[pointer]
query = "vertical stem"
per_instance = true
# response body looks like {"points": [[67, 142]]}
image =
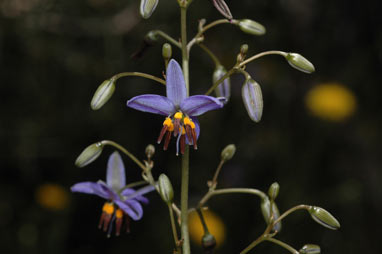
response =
{"points": [[173, 226], [185, 158]]}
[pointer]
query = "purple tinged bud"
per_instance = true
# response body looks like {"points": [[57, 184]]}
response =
{"points": [[251, 27], [253, 99], [102, 94], [90, 154], [147, 8], [223, 8], [265, 209], [224, 88]]}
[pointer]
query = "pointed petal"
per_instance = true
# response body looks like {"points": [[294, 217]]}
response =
{"points": [[131, 207], [152, 103], [137, 194], [115, 173], [199, 104], [175, 85], [91, 188], [128, 192]]}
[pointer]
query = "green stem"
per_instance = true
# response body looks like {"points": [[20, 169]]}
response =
{"points": [[282, 244], [229, 73], [184, 201], [215, 178], [211, 55], [253, 244], [291, 210], [125, 151], [138, 74], [212, 193], [204, 224], [271, 52], [173, 226], [185, 60], [167, 37], [132, 185]]}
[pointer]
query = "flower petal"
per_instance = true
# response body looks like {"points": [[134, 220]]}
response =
{"points": [[91, 188], [152, 103], [175, 85], [199, 104], [137, 194], [128, 192], [115, 173], [131, 207]]}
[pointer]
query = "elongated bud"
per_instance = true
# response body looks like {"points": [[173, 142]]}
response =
{"points": [[165, 189], [166, 51], [224, 88], [265, 209], [222, 7], [299, 62], [323, 217], [208, 242], [147, 8], [103, 94], [253, 99], [310, 249], [150, 151], [88, 155], [243, 53], [273, 190], [251, 27], [228, 152]]}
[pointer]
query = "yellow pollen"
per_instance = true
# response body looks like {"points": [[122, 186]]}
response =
{"points": [[119, 213], [183, 131], [108, 208], [188, 121], [171, 127], [167, 122], [178, 115]]}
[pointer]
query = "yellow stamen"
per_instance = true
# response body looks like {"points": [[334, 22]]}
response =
{"points": [[188, 121], [168, 122], [170, 127], [119, 213], [108, 208], [183, 131], [178, 115]]}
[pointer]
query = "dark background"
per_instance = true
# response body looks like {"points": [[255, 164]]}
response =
{"points": [[54, 54]]}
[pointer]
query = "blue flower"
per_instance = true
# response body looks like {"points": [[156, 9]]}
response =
{"points": [[180, 110], [122, 202]]}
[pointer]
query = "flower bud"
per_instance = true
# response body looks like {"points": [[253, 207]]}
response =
{"points": [[323, 217], [224, 88], [228, 152], [244, 49], [253, 99], [88, 155], [310, 249], [208, 242], [165, 189], [273, 190], [150, 151], [299, 62], [166, 51], [265, 209], [147, 8], [222, 7], [150, 38], [251, 27], [102, 94]]}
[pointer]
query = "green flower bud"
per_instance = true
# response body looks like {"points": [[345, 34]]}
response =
{"points": [[166, 51], [151, 38], [208, 242], [150, 151], [147, 8], [299, 62], [228, 152], [265, 206], [102, 94], [310, 249], [323, 217], [244, 49], [251, 27], [90, 154], [252, 99], [273, 190], [165, 189]]}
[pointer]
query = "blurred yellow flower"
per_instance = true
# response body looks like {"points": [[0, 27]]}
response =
{"points": [[214, 223], [331, 101], [52, 196]]}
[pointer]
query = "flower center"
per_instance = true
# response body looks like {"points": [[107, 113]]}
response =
{"points": [[181, 126]]}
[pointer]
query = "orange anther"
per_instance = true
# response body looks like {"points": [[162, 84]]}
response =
{"points": [[178, 115], [108, 208], [119, 213]]}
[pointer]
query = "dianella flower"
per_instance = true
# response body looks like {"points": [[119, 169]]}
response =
{"points": [[122, 203], [180, 111]]}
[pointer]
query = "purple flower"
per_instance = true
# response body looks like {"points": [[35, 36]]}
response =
{"points": [[122, 202], [180, 110]]}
